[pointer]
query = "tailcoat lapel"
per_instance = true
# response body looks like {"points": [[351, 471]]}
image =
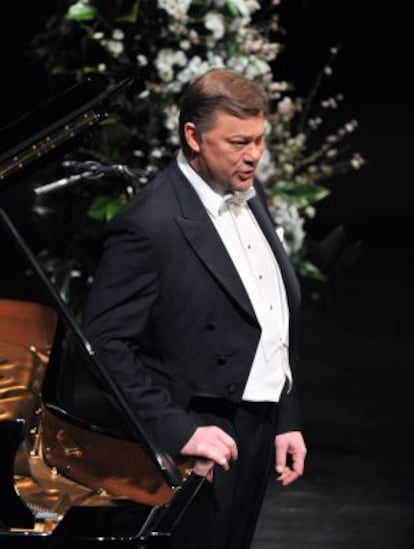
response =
{"points": [[202, 236]]}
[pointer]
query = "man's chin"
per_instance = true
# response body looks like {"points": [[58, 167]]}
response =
{"points": [[242, 184], [236, 184]]}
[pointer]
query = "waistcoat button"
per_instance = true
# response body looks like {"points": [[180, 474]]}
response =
{"points": [[231, 389]]}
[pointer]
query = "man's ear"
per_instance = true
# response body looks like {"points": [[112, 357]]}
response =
{"points": [[191, 136]]}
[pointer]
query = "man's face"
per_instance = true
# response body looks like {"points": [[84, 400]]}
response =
{"points": [[227, 153]]}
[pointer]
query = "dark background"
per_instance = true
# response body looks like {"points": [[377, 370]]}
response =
{"points": [[372, 71], [357, 376]]}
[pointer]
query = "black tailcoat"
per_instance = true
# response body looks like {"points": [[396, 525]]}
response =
{"points": [[169, 316]]}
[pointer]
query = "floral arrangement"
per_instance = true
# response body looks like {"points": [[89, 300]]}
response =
{"points": [[164, 44]]}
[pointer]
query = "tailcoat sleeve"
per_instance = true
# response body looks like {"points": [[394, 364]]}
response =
{"points": [[288, 416], [118, 324]]}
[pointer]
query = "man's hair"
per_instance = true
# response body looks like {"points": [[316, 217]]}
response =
{"points": [[218, 89]]}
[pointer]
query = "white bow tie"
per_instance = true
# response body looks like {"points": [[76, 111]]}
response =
{"points": [[237, 198]]}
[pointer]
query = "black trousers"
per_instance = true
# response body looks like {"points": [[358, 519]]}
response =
{"points": [[224, 515]]}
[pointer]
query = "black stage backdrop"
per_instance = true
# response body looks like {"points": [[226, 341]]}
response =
{"points": [[372, 71], [359, 379]]}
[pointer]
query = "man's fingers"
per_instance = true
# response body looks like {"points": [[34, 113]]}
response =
{"points": [[218, 446], [290, 445], [290, 474], [204, 468], [218, 453], [298, 462], [211, 443], [287, 476], [281, 455], [229, 443]]}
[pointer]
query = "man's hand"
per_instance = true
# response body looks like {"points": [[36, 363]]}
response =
{"points": [[212, 445], [290, 445]]}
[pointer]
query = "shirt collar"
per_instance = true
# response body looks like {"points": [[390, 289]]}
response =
{"points": [[211, 199]]}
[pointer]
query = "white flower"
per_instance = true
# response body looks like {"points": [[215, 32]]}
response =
{"points": [[329, 103], [286, 109], [215, 60], [351, 126], [171, 118], [214, 22], [193, 36], [238, 24], [252, 5], [299, 140], [157, 152], [288, 169], [175, 8], [257, 67], [115, 47], [166, 60], [249, 65], [118, 34], [245, 7], [357, 161], [185, 44], [238, 63], [195, 67], [310, 212], [331, 153], [266, 167], [270, 51], [142, 60], [288, 217]]}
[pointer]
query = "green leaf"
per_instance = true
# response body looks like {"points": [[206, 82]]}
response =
{"points": [[131, 16], [104, 208], [300, 195], [347, 258], [81, 12], [308, 269], [233, 9], [330, 247], [59, 70], [334, 255], [88, 69]]}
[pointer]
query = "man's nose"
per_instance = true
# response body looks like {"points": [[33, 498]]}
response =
{"points": [[253, 153]]}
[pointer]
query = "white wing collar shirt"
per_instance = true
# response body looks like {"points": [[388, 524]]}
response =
{"points": [[262, 279]]}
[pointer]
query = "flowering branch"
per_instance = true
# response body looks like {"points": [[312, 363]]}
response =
{"points": [[166, 44]]}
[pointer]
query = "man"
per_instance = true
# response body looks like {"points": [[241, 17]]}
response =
{"points": [[194, 306]]}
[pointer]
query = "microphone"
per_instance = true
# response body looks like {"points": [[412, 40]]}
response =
{"points": [[89, 169], [96, 168]]}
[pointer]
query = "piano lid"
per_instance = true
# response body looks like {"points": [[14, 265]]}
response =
{"points": [[164, 462], [54, 123]]}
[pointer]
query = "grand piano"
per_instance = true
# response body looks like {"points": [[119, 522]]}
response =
{"points": [[65, 482]]}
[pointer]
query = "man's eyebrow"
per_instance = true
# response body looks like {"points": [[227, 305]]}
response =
{"points": [[245, 136]]}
